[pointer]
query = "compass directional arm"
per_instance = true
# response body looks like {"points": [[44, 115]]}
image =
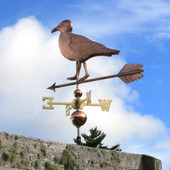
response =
{"points": [[78, 103], [50, 103], [103, 103]]}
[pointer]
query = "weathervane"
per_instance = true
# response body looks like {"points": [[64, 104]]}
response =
{"points": [[78, 103], [79, 48]]}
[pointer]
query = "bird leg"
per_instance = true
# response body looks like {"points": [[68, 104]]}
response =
{"points": [[78, 67], [86, 72]]}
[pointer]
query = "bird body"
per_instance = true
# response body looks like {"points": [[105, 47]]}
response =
{"points": [[79, 48], [64, 41]]}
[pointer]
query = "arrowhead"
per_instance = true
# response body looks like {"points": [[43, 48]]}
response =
{"points": [[52, 87]]}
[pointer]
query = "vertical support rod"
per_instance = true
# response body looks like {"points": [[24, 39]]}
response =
{"points": [[77, 85], [78, 136], [77, 65], [78, 131]]}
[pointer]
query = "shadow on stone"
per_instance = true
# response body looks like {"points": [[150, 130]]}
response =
{"points": [[150, 163]]}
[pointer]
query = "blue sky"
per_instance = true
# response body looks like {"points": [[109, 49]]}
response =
{"points": [[30, 61]]}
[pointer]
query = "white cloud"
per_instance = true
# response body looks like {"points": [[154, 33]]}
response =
{"points": [[117, 17], [163, 144], [31, 61]]}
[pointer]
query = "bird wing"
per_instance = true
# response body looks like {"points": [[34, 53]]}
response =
{"points": [[85, 47]]}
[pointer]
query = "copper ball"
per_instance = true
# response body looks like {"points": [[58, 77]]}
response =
{"points": [[78, 118], [78, 93]]}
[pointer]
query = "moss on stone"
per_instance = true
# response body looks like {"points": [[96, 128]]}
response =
{"points": [[57, 159], [13, 156], [39, 155], [25, 163], [103, 153], [94, 166], [50, 166], [89, 149], [37, 164], [21, 165], [6, 156], [115, 167], [15, 145], [14, 152], [7, 136], [9, 156], [1, 143], [32, 164], [104, 164], [68, 161], [17, 165], [43, 150], [115, 157], [35, 145], [22, 154]]}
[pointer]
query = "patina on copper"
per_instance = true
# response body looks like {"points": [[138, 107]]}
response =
{"points": [[78, 118], [79, 48]]}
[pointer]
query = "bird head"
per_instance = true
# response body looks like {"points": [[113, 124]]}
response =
{"points": [[65, 26]]}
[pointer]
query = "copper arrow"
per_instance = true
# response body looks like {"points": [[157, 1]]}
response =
{"points": [[128, 74]]}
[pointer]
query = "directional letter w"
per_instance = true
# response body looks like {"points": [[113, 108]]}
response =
{"points": [[105, 104]]}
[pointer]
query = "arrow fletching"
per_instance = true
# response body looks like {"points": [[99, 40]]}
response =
{"points": [[134, 72]]}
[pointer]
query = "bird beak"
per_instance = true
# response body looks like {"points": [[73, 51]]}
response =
{"points": [[55, 29]]}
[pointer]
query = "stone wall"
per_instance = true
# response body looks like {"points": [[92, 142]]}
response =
{"points": [[19, 152]]}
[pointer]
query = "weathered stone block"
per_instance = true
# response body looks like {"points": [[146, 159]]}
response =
{"points": [[19, 152]]}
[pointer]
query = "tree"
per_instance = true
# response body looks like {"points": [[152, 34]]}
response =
{"points": [[95, 140]]}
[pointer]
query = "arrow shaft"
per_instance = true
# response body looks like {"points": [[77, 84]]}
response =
{"points": [[100, 78]]}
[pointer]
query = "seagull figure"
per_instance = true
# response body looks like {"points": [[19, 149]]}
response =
{"points": [[79, 48]]}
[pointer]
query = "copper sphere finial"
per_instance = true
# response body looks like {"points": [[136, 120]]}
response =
{"points": [[78, 93], [78, 118]]}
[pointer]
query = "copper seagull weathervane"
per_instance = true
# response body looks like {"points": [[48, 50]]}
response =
{"points": [[79, 48]]}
